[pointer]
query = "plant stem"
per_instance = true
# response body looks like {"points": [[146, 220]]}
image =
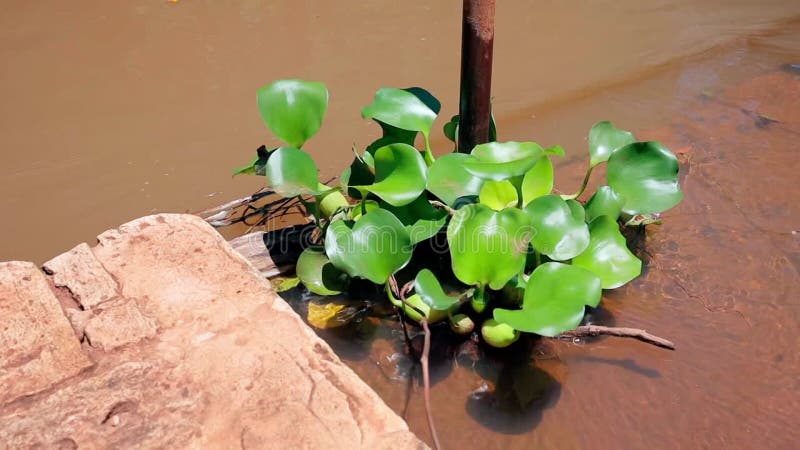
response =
{"points": [[428, 156], [438, 204], [583, 185]]}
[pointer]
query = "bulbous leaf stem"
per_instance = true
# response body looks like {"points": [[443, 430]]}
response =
{"points": [[428, 154]]}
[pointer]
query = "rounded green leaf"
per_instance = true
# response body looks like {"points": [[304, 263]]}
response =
{"points": [[374, 248], [498, 194], [608, 256], [400, 174], [293, 109], [400, 108], [430, 291], [448, 180], [538, 180], [605, 202], [488, 247], [292, 172], [503, 160], [554, 300], [604, 139], [646, 175], [318, 274], [577, 209], [420, 218], [558, 227]]}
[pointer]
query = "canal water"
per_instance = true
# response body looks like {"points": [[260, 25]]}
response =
{"points": [[113, 110]]}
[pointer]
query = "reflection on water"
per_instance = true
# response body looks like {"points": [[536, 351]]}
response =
{"points": [[112, 110]]}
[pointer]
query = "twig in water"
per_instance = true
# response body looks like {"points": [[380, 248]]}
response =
{"points": [[426, 349], [635, 333]]}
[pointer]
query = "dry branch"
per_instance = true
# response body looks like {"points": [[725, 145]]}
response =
{"points": [[635, 333]]}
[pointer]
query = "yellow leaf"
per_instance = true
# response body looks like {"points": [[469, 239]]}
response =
{"points": [[320, 315]]}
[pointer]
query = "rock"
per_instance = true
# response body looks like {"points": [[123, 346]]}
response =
{"points": [[38, 348], [117, 325], [80, 272], [196, 351]]}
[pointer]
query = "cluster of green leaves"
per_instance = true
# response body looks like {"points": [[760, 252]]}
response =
{"points": [[512, 242]]}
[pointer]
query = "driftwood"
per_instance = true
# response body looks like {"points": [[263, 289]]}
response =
{"points": [[274, 252]]}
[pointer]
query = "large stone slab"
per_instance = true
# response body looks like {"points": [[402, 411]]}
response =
{"points": [[197, 351], [37, 345], [83, 275]]}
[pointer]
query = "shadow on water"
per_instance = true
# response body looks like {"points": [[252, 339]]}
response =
{"points": [[521, 393], [626, 363]]}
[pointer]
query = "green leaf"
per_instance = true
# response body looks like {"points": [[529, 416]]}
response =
{"points": [[420, 218], [318, 274], [448, 180], [374, 248], [391, 135], [360, 172], [399, 174], [258, 165], [538, 181], [500, 161], [608, 256], [604, 139], [498, 194], [426, 97], [451, 129], [605, 202], [556, 150], [430, 291], [646, 175], [558, 227], [577, 209], [292, 172], [293, 109], [400, 108], [488, 247], [554, 300]]}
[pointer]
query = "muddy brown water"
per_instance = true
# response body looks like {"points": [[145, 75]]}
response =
{"points": [[113, 110]]}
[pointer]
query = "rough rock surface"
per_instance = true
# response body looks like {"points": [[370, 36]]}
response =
{"points": [[184, 345]]}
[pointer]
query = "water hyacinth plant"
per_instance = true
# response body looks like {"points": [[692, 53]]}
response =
{"points": [[521, 258]]}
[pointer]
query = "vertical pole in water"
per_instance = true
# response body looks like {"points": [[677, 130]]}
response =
{"points": [[477, 39]]}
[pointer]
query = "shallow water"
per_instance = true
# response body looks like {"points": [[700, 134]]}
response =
{"points": [[114, 110]]}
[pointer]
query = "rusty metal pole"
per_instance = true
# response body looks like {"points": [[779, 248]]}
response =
{"points": [[477, 39]]}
